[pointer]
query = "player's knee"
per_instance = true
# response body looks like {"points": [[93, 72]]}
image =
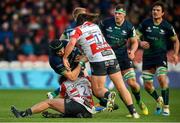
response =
{"points": [[148, 86], [162, 79], [48, 102], [130, 76], [147, 77], [161, 71], [133, 84], [97, 92], [163, 82]]}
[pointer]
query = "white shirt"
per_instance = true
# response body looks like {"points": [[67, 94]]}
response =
{"points": [[79, 91], [93, 43]]}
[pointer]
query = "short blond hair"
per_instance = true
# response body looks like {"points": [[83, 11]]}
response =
{"points": [[77, 11]]}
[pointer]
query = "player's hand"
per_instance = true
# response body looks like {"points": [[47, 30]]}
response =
{"points": [[131, 54], [175, 59], [81, 58], [144, 44], [66, 63]]}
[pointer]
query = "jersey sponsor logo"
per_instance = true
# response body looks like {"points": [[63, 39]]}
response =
{"points": [[152, 38], [109, 29], [124, 32], [106, 53], [162, 31], [99, 48], [109, 63], [148, 29], [155, 27], [117, 27]]}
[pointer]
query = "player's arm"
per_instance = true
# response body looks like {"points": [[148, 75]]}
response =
{"points": [[70, 46], [134, 46], [133, 43], [176, 48], [73, 75], [143, 44], [133, 40]]}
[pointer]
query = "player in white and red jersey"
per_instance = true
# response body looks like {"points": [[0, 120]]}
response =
{"points": [[102, 61], [76, 102], [75, 90], [80, 92], [94, 45]]}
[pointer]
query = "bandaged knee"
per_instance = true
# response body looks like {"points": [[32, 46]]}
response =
{"points": [[129, 75], [161, 71], [147, 77]]}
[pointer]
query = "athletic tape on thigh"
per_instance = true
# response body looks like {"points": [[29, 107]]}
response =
{"points": [[147, 77], [161, 71], [129, 75]]}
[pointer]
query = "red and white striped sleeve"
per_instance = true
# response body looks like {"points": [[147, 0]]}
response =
{"points": [[76, 33]]}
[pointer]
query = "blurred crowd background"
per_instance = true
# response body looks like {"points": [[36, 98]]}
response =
{"points": [[26, 26]]}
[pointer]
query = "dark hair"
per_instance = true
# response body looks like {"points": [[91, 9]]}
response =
{"points": [[159, 3], [91, 17], [120, 6], [56, 45]]}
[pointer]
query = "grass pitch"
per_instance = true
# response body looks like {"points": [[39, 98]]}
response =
{"points": [[23, 99]]}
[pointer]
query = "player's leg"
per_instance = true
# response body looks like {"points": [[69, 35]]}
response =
{"points": [[115, 75], [100, 91], [72, 109], [149, 87], [98, 85], [99, 73], [56, 104], [130, 77], [124, 93], [162, 78]]}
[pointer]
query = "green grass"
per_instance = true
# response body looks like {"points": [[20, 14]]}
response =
{"points": [[23, 99]]}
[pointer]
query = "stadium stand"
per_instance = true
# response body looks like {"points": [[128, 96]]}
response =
{"points": [[25, 33]]}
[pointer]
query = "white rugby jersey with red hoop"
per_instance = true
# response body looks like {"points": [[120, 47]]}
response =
{"points": [[92, 42], [80, 91]]}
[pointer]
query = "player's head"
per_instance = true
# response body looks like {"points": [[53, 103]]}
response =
{"points": [[57, 47], [77, 11], [91, 17], [158, 10], [119, 13]]}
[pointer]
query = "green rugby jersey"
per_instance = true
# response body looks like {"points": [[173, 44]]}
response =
{"points": [[117, 36], [157, 36]]}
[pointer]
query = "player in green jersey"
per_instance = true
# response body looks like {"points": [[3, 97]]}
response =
{"points": [[155, 33], [117, 31]]}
